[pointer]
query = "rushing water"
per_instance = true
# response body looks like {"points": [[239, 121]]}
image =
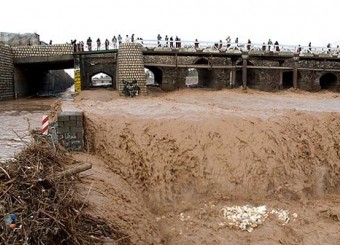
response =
{"points": [[16, 118]]}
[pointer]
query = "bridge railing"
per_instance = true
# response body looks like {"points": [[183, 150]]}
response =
{"points": [[224, 46], [241, 46]]}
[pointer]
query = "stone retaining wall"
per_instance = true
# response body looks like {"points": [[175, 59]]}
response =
{"points": [[6, 73]]}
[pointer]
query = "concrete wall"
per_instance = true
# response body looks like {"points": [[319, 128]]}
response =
{"points": [[6, 73]]}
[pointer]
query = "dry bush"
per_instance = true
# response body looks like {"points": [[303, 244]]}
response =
{"points": [[45, 206]]}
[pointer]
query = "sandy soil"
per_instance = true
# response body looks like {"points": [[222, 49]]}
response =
{"points": [[164, 165]]}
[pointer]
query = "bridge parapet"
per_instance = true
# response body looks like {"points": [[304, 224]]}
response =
{"points": [[42, 50]]}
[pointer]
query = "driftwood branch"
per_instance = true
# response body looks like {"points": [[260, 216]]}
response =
{"points": [[75, 170]]}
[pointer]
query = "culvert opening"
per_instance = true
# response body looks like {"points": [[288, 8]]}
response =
{"points": [[287, 79], [328, 81]]}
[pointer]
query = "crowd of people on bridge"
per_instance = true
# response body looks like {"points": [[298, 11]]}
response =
{"points": [[171, 42]]}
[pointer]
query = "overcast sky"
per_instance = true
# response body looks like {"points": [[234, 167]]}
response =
{"points": [[287, 21]]}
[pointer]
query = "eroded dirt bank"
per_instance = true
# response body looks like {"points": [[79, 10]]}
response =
{"points": [[165, 165]]}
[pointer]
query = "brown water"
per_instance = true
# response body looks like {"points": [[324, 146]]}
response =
{"points": [[16, 118], [165, 165]]}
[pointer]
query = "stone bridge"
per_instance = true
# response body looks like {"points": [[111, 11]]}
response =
{"points": [[20, 67]]}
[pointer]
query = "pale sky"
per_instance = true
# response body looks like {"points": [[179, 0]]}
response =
{"points": [[287, 21]]}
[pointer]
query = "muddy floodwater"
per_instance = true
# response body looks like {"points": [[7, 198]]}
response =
{"points": [[165, 166], [16, 117]]}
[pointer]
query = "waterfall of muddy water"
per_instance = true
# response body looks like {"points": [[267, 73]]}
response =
{"points": [[16, 117]]}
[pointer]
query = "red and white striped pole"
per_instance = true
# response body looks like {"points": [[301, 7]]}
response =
{"points": [[44, 126]]}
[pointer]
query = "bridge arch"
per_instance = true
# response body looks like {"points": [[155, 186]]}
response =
{"points": [[204, 75], [101, 79], [191, 79], [328, 81], [93, 65], [157, 74]]}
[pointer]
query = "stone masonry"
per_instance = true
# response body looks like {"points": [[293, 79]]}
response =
{"points": [[70, 130], [6, 73], [131, 66], [42, 50]]}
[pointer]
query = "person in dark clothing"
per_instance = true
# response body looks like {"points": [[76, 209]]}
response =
{"points": [[310, 47], [107, 44], [248, 45], [159, 38], [98, 44], [166, 41], [171, 42], [299, 49], [89, 43], [277, 47], [74, 43], [196, 43], [177, 41], [119, 39]]}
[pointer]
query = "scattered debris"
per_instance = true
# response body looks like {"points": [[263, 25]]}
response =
{"points": [[38, 204], [248, 217]]}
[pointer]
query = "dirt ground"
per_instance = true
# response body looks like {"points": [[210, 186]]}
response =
{"points": [[166, 164]]}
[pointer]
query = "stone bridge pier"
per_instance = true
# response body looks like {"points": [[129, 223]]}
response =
{"points": [[130, 66]]}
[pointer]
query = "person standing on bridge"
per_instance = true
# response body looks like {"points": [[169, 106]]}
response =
{"points": [[166, 41], [81, 46], [107, 44], [127, 39], [277, 47], [89, 44], [299, 49], [248, 45], [197, 44], [171, 42], [270, 43], [159, 38], [114, 42], [98, 44], [120, 39], [329, 48], [228, 39]]}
